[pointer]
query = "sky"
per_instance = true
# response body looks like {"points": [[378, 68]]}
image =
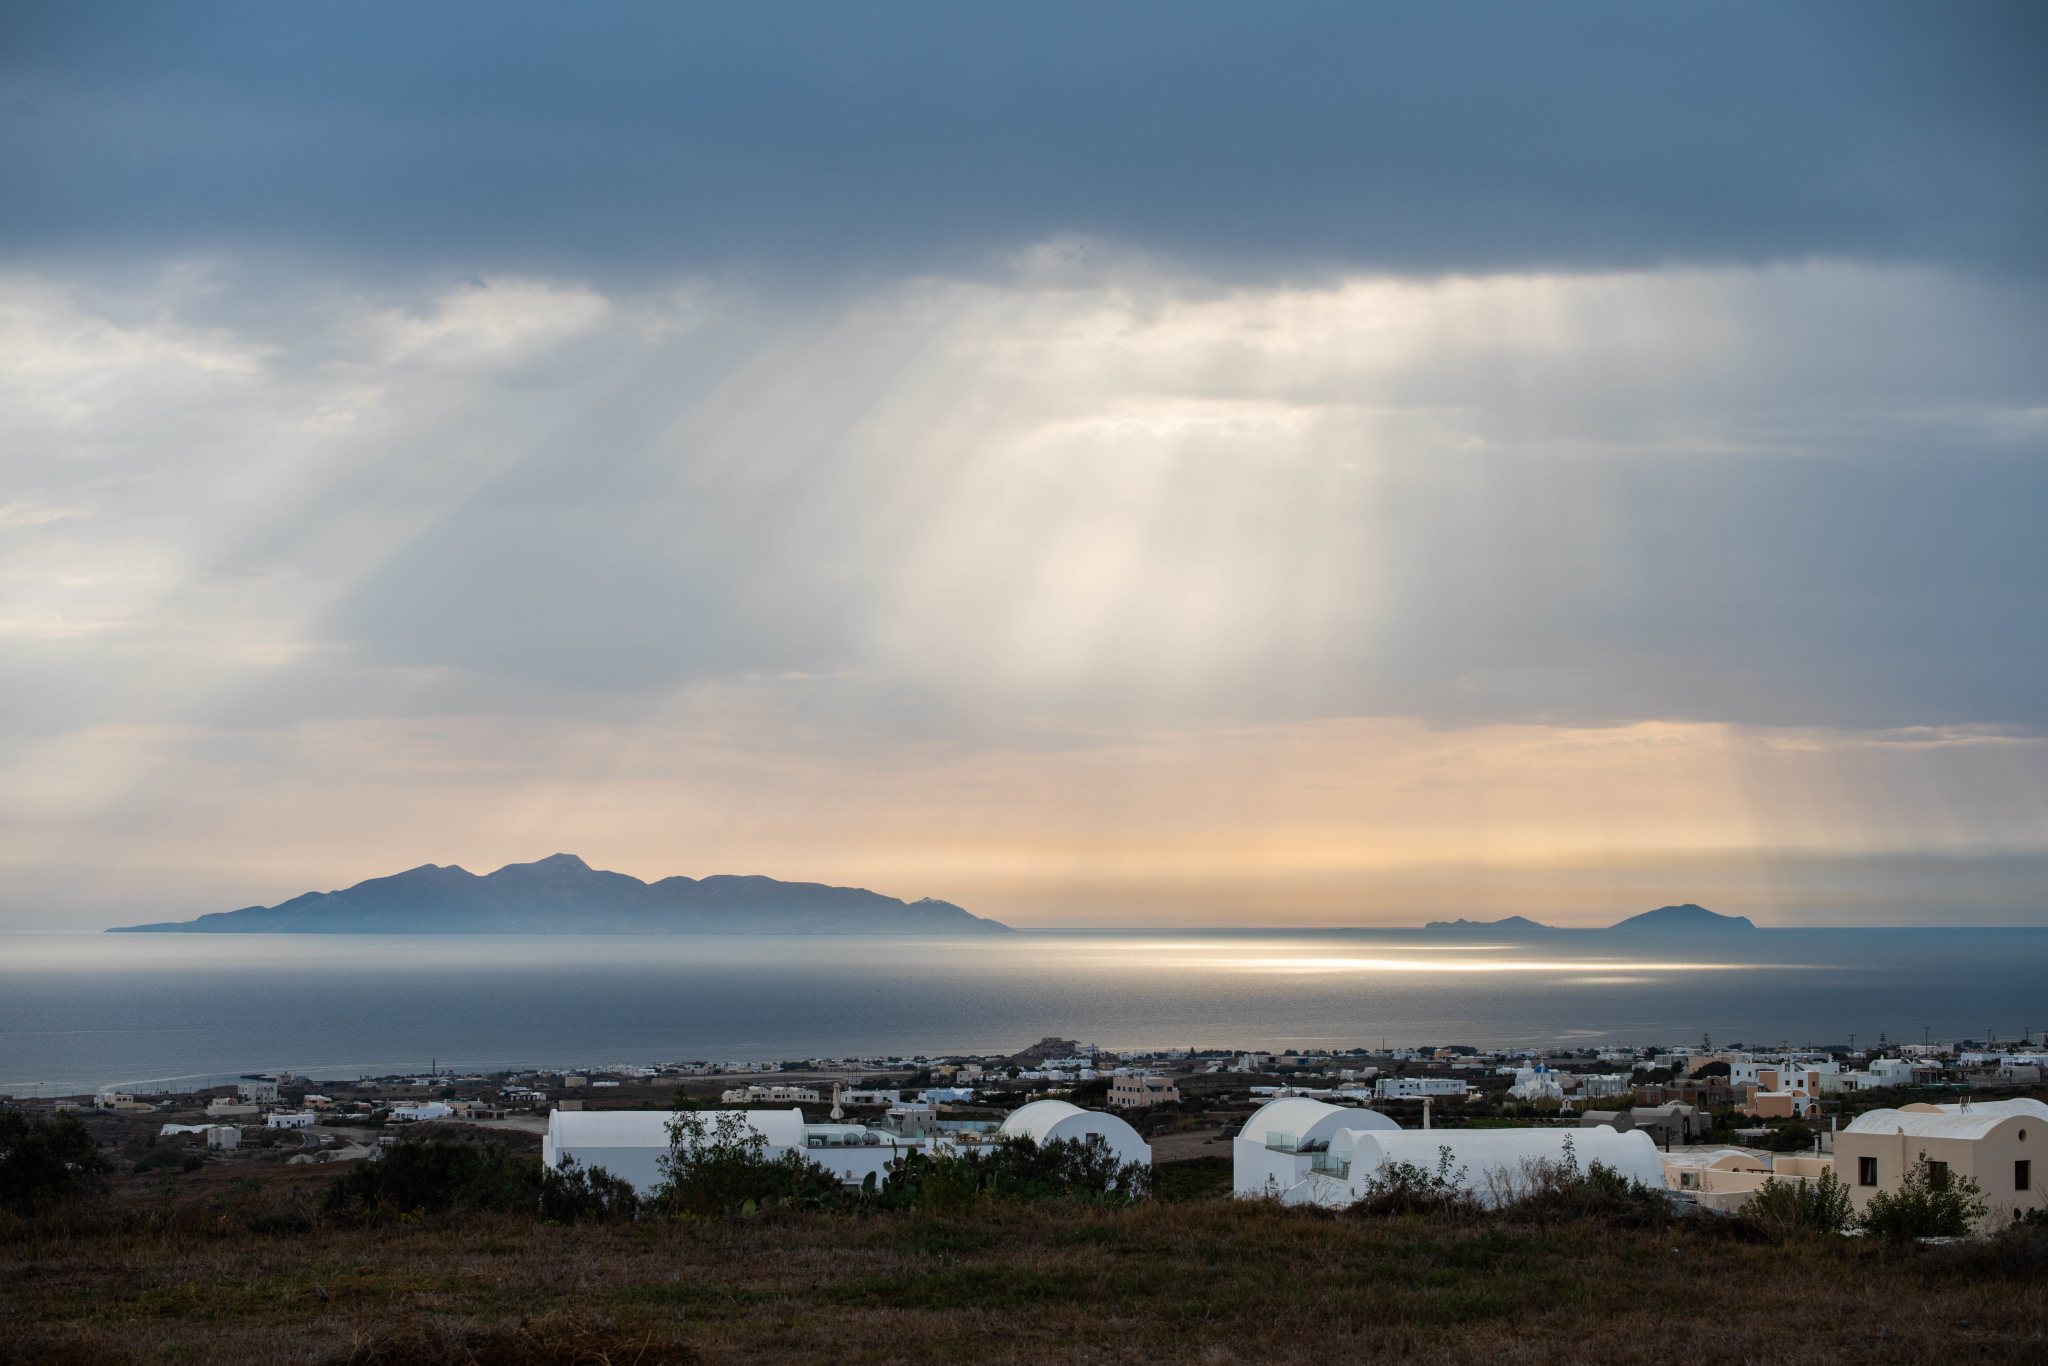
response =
{"points": [[1134, 465]]}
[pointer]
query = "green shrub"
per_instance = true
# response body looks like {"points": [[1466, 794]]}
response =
{"points": [[1558, 1191], [46, 1161], [572, 1193], [1931, 1202], [169, 1158], [1399, 1188], [1017, 1169], [415, 1177], [1784, 1207], [720, 1165], [1791, 1138], [1091, 1092]]}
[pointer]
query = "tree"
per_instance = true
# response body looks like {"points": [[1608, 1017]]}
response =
{"points": [[571, 1193], [722, 1167], [1931, 1202], [46, 1161], [1795, 1137], [1087, 1091], [1785, 1207]]}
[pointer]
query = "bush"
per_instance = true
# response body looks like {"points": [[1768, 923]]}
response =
{"points": [[2016, 1252], [572, 1193], [1092, 1092], [1557, 1192], [415, 1177], [168, 1158], [1783, 1208], [1021, 1169], [1931, 1202], [46, 1161], [718, 1165], [722, 1167], [1795, 1137], [1399, 1188]]}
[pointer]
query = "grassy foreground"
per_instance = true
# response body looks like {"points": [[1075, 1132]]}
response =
{"points": [[1204, 1281]]}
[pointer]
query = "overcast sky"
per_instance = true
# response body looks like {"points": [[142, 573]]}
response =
{"points": [[1101, 465]]}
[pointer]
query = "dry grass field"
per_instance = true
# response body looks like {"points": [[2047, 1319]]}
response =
{"points": [[246, 1276]]}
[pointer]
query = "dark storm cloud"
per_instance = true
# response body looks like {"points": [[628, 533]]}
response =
{"points": [[615, 138]]}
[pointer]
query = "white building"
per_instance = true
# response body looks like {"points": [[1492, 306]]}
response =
{"points": [[913, 1119], [283, 1119], [430, 1109], [631, 1143], [1994, 1143], [1399, 1088], [1286, 1138], [1536, 1083], [1048, 1121], [1491, 1164], [754, 1095], [872, 1096], [256, 1091]]}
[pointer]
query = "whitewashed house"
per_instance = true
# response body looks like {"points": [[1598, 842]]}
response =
{"points": [[1408, 1088], [1997, 1143], [631, 1143], [1490, 1164], [1285, 1139], [1048, 1121], [424, 1110]]}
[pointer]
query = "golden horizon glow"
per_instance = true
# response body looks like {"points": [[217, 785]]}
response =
{"points": [[1098, 602]]}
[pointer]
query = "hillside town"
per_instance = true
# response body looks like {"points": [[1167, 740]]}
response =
{"points": [[1709, 1123]]}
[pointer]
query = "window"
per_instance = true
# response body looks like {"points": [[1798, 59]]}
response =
{"points": [[1937, 1176], [2022, 1176], [1866, 1171]]}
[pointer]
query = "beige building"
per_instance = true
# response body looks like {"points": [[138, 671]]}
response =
{"points": [[1782, 1090], [778, 1095], [1726, 1179], [1997, 1143], [1136, 1092]]}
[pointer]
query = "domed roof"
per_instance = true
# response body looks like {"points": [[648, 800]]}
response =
{"points": [[1038, 1118], [1303, 1119], [1049, 1121]]}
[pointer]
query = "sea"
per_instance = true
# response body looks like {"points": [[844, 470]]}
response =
{"points": [[84, 1012]]}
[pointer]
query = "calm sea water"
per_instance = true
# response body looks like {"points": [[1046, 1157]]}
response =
{"points": [[83, 1011]]}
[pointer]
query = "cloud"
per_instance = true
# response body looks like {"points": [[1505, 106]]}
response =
{"points": [[1116, 591], [641, 140], [1806, 496]]}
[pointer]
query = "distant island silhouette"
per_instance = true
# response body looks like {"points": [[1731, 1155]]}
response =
{"points": [[564, 895], [1684, 919]]}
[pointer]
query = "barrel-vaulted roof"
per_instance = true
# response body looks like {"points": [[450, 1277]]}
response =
{"points": [[1970, 1124], [1304, 1119]]}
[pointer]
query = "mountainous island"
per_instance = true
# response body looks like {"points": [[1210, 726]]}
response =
{"points": [[564, 895], [1685, 919]]}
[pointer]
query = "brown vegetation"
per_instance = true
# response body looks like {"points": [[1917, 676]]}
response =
{"points": [[246, 1276]]}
